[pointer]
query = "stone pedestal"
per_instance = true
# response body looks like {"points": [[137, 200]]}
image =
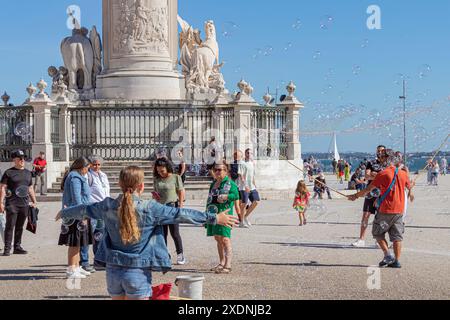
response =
{"points": [[140, 50], [294, 148]]}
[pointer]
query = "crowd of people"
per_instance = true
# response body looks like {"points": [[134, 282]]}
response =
{"points": [[129, 235]]}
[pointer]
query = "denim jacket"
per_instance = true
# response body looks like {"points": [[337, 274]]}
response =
{"points": [[150, 251], [76, 190]]}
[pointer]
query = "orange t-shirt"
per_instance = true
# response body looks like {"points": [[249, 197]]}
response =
{"points": [[395, 201]]}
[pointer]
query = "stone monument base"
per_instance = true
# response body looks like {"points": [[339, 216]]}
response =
{"points": [[137, 85]]}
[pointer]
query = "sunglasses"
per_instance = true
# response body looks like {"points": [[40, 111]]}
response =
{"points": [[219, 170], [97, 165]]}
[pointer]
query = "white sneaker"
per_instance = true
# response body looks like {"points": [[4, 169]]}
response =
{"points": [[74, 274], [181, 260], [359, 244], [243, 225], [247, 223], [83, 272]]}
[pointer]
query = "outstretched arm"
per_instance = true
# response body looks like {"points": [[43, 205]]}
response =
{"points": [[95, 211]]}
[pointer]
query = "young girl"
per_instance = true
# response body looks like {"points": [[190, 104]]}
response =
{"points": [[301, 201], [133, 245]]}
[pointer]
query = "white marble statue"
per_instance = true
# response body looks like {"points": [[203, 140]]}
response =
{"points": [[200, 59], [78, 55]]}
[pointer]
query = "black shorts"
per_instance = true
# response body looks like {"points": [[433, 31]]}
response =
{"points": [[369, 206], [253, 196]]}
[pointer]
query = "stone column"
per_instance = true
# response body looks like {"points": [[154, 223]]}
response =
{"points": [[140, 40], [294, 148], [65, 132]]}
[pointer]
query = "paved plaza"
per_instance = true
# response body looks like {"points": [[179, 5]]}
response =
{"points": [[276, 259]]}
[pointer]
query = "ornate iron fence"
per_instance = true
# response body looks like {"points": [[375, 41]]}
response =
{"points": [[16, 131], [140, 132], [55, 133], [269, 132]]}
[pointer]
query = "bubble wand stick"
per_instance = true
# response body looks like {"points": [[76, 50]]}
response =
{"points": [[334, 190], [434, 157]]}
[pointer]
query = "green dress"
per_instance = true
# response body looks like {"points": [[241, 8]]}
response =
{"points": [[226, 187]]}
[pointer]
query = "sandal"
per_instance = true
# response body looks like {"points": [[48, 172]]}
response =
{"points": [[223, 271], [218, 267]]}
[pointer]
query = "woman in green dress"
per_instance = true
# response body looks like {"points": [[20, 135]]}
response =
{"points": [[222, 195]]}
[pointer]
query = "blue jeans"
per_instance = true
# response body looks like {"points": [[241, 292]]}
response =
{"points": [[84, 251], [134, 283]]}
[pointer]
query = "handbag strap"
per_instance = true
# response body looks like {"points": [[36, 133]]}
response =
{"points": [[391, 186]]}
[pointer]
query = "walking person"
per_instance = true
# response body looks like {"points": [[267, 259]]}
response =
{"points": [[392, 183], [435, 173], [333, 165], [234, 175], [76, 233], [182, 168], [169, 191], [222, 195], [16, 185], [99, 190], [247, 188], [444, 166], [430, 172], [134, 246], [372, 169], [347, 171], [39, 170], [301, 201], [341, 169]]}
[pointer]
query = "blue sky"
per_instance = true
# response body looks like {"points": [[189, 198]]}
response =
{"points": [[346, 72]]}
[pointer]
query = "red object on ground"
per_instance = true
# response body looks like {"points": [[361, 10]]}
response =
{"points": [[162, 292]]}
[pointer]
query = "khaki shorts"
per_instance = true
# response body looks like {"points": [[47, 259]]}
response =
{"points": [[388, 223]]}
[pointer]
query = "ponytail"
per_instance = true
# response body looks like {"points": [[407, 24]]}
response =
{"points": [[130, 179]]}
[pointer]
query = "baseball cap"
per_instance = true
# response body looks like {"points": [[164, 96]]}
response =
{"points": [[18, 154]]}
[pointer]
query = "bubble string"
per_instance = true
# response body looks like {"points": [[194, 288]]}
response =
{"points": [[323, 184]]}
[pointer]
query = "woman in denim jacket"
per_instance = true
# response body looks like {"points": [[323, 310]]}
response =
{"points": [[133, 245], [76, 232]]}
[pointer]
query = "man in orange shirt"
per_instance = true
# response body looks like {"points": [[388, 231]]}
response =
{"points": [[391, 184]]}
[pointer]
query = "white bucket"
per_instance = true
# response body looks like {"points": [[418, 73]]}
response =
{"points": [[190, 287]]}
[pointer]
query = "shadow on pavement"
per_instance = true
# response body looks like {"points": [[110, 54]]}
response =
{"points": [[78, 298], [307, 264], [319, 245], [30, 274]]}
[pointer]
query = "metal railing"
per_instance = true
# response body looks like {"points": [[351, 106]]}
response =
{"points": [[140, 132], [269, 132], [16, 131]]}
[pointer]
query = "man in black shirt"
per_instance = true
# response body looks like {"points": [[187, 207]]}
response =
{"points": [[16, 185], [372, 169]]}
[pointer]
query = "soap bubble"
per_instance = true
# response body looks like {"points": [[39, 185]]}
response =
{"points": [[22, 191], [424, 71], [68, 222], [384, 225], [82, 226], [23, 130], [4, 127], [356, 70], [10, 114], [365, 43], [288, 46], [212, 209], [326, 22], [268, 50], [375, 193], [317, 55], [98, 236], [229, 28], [64, 230], [8, 194], [100, 225], [297, 24]]}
